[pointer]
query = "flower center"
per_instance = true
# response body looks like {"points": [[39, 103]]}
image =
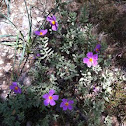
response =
{"points": [[50, 97], [53, 22], [16, 88], [40, 33], [96, 49], [66, 103], [90, 59]]}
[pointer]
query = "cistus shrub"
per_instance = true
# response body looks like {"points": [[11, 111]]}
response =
{"points": [[71, 79]]}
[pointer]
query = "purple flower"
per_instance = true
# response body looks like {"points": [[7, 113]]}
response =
{"points": [[49, 98], [65, 104], [96, 89], [38, 55], [52, 21], [97, 48], [15, 88], [41, 32], [91, 59]]}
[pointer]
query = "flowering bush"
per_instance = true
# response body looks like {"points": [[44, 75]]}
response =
{"points": [[59, 68]]}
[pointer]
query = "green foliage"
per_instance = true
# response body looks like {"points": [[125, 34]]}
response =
{"points": [[45, 51], [84, 14], [65, 69], [20, 107]]}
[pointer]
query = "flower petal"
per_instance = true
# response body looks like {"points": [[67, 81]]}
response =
{"points": [[62, 104], [46, 102], [89, 64], [15, 91], [14, 83], [37, 32], [49, 18], [44, 31], [12, 87], [95, 63], [89, 54], [19, 90], [52, 102], [56, 25], [45, 96], [95, 56], [71, 102], [98, 46], [64, 100], [55, 97], [85, 60], [51, 92], [54, 28], [70, 107], [54, 18], [64, 108]]}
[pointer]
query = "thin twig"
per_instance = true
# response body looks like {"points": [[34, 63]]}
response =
{"points": [[24, 64]]}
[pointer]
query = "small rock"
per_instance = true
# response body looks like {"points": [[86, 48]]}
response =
{"points": [[34, 22], [8, 67], [21, 78], [10, 56], [1, 74], [27, 81], [40, 19], [3, 96], [37, 12], [1, 61], [4, 54]]}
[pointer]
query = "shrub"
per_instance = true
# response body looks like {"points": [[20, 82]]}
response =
{"points": [[82, 88]]}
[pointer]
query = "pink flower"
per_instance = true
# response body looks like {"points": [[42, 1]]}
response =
{"points": [[91, 59], [15, 88], [49, 98], [65, 104], [41, 32], [52, 21]]}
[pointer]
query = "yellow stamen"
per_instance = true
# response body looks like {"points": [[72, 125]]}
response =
{"points": [[53, 22], [40, 33], [66, 103], [16, 88], [90, 59], [50, 97], [96, 49]]}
